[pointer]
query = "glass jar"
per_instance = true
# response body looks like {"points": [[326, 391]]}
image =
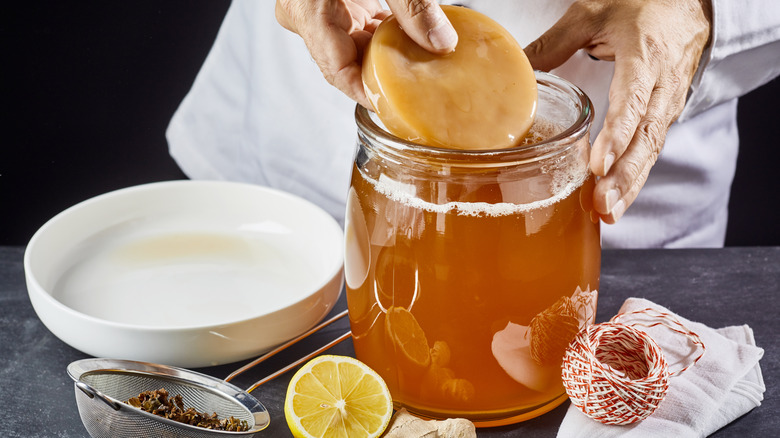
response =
{"points": [[468, 272]]}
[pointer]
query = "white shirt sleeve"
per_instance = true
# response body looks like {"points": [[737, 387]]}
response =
{"points": [[744, 53]]}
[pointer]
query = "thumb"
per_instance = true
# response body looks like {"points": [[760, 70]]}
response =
{"points": [[561, 41], [426, 24]]}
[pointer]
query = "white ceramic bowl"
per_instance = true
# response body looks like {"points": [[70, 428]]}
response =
{"points": [[185, 273]]}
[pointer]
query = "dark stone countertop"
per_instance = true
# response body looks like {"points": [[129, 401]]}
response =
{"points": [[718, 287]]}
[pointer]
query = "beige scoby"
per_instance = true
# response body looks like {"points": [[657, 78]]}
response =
{"points": [[480, 96]]}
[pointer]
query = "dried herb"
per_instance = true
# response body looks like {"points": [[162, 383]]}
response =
{"points": [[159, 403]]}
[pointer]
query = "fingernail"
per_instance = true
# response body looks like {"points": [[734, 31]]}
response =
{"points": [[618, 210], [443, 36], [608, 161], [612, 198]]}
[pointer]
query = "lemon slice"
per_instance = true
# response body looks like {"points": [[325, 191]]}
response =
{"points": [[409, 338], [337, 396], [481, 96]]}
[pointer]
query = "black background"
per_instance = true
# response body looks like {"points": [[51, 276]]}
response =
{"points": [[88, 89]]}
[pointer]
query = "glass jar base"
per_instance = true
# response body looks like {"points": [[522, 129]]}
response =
{"points": [[488, 419]]}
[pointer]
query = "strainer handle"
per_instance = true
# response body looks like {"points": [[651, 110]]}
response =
{"points": [[284, 346], [92, 393], [300, 361]]}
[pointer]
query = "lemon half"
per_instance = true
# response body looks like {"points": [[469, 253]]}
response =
{"points": [[337, 396]]}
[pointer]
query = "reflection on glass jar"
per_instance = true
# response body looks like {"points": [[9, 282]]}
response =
{"points": [[468, 272]]}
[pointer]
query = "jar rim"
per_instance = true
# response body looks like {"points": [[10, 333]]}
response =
{"points": [[379, 136]]}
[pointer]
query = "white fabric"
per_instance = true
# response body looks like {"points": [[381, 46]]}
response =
{"points": [[259, 111], [744, 53], [723, 385]]}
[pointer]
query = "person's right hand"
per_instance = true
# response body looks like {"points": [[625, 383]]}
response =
{"points": [[337, 31]]}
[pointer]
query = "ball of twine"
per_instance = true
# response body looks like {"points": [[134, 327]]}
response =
{"points": [[552, 330], [617, 374]]}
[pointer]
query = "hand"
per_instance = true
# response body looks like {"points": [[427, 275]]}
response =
{"points": [[656, 46], [337, 31]]}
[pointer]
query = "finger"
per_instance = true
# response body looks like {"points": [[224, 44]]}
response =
{"points": [[615, 192], [285, 17], [426, 24], [629, 95], [572, 32], [336, 53], [333, 38], [366, 14]]}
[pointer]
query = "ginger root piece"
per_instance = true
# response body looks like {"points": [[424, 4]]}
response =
{"points": [[481, 96], [405, 425]]}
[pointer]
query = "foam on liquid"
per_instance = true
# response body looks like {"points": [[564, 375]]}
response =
{"points": [[564, 183]]}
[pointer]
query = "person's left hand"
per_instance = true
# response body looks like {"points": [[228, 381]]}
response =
{"points": [[656, 46]]}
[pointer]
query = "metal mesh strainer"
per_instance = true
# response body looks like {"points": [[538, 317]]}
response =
{"points": [[103, 385], [114, 381]]}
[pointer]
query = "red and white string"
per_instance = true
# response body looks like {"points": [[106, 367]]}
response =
{"points": [[616, 373]]}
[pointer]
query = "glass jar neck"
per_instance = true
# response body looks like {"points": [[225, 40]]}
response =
{"points": [[562, 106]]}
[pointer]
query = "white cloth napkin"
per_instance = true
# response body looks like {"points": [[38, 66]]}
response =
{"points": [[725, 384]]}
